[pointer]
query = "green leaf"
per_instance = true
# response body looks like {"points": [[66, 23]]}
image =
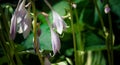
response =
{"points": [[115, 6], [45, 39], [96, 48], [98, 58], [60, 7], [77, 1], [93, 42]]}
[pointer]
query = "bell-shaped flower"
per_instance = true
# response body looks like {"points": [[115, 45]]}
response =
{"points": [[58, 23], [55, 42], [54, 39], [20, 21]]}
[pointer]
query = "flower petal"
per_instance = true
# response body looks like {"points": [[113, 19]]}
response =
{"points": [[13, 27], [21, 20], [25, 23], [27, 20], [58, 23], [55, 42]]}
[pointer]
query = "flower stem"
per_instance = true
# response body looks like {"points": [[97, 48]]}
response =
{"points": [[73, 33], [110, 44], [48, 4], [108, 37], [80, 45], [6, 49], [35, 34], [100, 16]]}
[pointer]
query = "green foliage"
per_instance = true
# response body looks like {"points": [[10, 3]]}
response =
{"points": [[45, 40], [88, 26], [115, 6]]}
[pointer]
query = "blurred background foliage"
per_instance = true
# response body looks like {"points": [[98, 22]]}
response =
{"points": [[90, 28]]}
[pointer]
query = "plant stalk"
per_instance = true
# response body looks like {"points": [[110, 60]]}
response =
{"points": [[35, 34], [73, 33]]}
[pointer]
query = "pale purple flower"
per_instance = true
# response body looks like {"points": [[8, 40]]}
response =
{"points": [[54, 39], [20, 21], [58, 23], [107, 9], [55, 42]]}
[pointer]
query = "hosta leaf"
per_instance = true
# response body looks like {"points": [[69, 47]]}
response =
{"points": [[45, 40]]}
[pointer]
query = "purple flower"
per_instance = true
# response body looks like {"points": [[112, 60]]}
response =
{"points": [[54, 39], [55, 42], [58, 23], [107, 9], [20, 21]]}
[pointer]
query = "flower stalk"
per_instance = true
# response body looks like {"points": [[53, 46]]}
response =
{"points": [[80, 45], [110, 44], [73, 33], [35, 33], [109, 36]]}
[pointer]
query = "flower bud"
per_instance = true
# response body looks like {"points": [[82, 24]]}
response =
{"points": [[107, 9]]}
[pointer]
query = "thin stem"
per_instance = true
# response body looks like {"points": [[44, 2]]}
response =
{"points": [[100, 16], [35, 34], [48, 4], [49, 24], [19, 62], [73, 32], [111, 38], [3, 44], [110, 53], [80, 45]]}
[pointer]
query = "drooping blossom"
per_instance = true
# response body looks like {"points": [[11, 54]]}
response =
{"points": [[58, 23], [107, 9], [20, 21], [55, 42], [54, 39]]}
